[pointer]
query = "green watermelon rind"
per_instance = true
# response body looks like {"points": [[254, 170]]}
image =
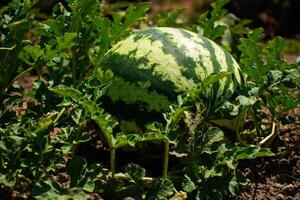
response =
{"points": [[153, 66]]}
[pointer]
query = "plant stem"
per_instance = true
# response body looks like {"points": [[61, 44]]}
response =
{"points": [[269, 137], [73, 149], [74, 71], [239, 121], [166, 159], [112, 162], [18, 155], [124, 177], [6, 86], [58, 116]]}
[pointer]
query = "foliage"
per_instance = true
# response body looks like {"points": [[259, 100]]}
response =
{"points": [[44, 129]]}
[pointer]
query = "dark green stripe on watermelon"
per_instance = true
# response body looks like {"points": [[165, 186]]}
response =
{"points": [[187, 64], [130, 73]]}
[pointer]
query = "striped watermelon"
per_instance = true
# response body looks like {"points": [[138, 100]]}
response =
{"points": [[151, 67]]}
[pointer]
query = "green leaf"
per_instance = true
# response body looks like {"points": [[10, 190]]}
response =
{"points": [[237, 180], [251, 61], [245, 102], [218, 31], [240, 27], [106, 123], [293, 75], [219, 4], [81, 9], [170, 19], [207, 82], [104, 120], [67, 91], [77, 116], [256, 34], [75, 194], [187, 184], [136, 13], [50, 28], [274, 77], [213, 78], [216, 170], [155, 131], [89, 185], [133, 14], [129, 139], [30, 54], [66, 41], [128, 198], [132, 139], [229, 124], [8, 179], [275, 47], [46, 190], [213, 135], [42, 127], [152, 136], [230, 155], [160, 190], [208, 194], [51, 191], [75, 169], [135, 172], [208, 20], [251, 152]]}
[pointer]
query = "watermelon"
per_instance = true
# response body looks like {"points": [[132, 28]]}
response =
{"points": [[150, 68]]}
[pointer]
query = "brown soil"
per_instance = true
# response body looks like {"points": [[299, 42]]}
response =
{"points": [[274, 178]]}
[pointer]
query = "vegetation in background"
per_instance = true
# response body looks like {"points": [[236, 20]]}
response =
{"points": [[200, 152]]}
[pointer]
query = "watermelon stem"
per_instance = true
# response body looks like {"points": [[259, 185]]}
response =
{"points": [[112, 162], [166, 159], [239, 126]]}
